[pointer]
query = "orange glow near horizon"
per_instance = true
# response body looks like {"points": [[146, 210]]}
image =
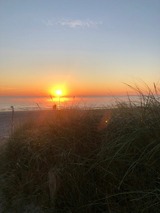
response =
{"points": [[68, 89]]}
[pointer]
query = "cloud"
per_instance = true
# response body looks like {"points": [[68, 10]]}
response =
{"points": [[79, 23], [73, 23]]}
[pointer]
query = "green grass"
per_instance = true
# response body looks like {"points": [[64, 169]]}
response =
{"points": [[77, 162]]}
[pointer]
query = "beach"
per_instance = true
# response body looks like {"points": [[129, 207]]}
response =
{"points": [[83, 153], [19, 118], [5, 125]]}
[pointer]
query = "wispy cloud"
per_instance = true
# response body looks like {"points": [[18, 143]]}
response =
{"points": [[73, 23]]}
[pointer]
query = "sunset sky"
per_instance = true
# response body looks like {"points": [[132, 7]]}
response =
{"points": [[86, 47]]}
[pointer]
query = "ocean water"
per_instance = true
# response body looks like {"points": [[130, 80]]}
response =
{"points": [[25, 103]]}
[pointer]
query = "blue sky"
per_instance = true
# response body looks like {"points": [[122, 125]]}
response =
{"points": [[90, 46]]}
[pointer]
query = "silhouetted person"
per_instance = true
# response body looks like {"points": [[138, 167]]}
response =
{"points": [[54, 107]]}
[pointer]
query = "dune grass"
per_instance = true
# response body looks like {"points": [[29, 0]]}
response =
{"points": [[86, 161]]}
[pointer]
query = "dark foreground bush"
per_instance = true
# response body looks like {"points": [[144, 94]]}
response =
{"points": [[78, 162]]}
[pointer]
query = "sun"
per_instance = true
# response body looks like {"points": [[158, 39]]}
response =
{"points": [[58, 92]]}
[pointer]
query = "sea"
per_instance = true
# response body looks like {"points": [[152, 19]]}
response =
{"points": [[30, 103]]}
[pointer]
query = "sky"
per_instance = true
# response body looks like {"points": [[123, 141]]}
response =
{"points": [[86, 47]]}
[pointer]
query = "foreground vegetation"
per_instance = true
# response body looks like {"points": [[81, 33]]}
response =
{"points": [[86, 161]]}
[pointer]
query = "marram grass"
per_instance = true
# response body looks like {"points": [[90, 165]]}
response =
{"points": [[86, 161]]}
